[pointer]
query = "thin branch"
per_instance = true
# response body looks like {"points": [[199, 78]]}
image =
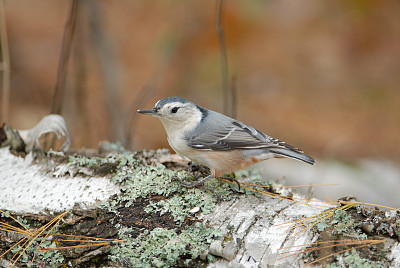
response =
{"points": [[69, 30], [130, 125], [219, 12], [233, 98], [107, 65], [5, 64]]}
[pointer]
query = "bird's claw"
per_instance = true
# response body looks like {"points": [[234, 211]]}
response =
{"points": [[200, 184], [217, 195], [232, 180]]}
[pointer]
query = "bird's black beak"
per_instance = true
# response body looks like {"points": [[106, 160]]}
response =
{"points": [[149, 112]]}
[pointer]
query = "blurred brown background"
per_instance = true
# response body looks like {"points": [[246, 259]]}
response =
{"points": [[321, 75]]}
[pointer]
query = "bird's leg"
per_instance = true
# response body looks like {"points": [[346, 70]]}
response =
{"points": [[232, 180], [203, 180], [197, 183], [217, 195], [198, 171], [200, 183]]}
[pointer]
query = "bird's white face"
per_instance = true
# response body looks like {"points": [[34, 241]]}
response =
{"points": [[177, 117], [176, 111]]}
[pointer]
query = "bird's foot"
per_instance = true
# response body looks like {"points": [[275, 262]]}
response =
{"points": [[217, 195], [198, 170], [196, 183], [232, 180], [200, 184]]}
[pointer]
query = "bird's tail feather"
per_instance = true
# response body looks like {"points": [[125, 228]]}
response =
{"points": [[293, 154]]}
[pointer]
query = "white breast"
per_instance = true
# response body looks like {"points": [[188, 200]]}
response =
{"points": [[176, 139], [179, 145]]}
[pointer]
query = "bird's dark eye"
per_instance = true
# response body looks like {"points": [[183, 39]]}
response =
{"points": [[174, 110]]}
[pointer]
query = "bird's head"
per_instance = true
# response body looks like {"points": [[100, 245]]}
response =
{"points": [[176, 113]]}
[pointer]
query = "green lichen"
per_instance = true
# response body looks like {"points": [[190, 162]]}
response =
{"points": [[353, 259], [138, 180], [164, 248], [143, 180], [254, 176], [89, 162], [342, 222], [52, 258], [180, 206], [29, 248], [159, 247]]}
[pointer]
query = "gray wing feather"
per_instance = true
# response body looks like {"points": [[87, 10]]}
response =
{"points": [[221, 133]]}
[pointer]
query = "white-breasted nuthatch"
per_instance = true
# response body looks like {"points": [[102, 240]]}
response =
{"points": [[217, 141]]}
